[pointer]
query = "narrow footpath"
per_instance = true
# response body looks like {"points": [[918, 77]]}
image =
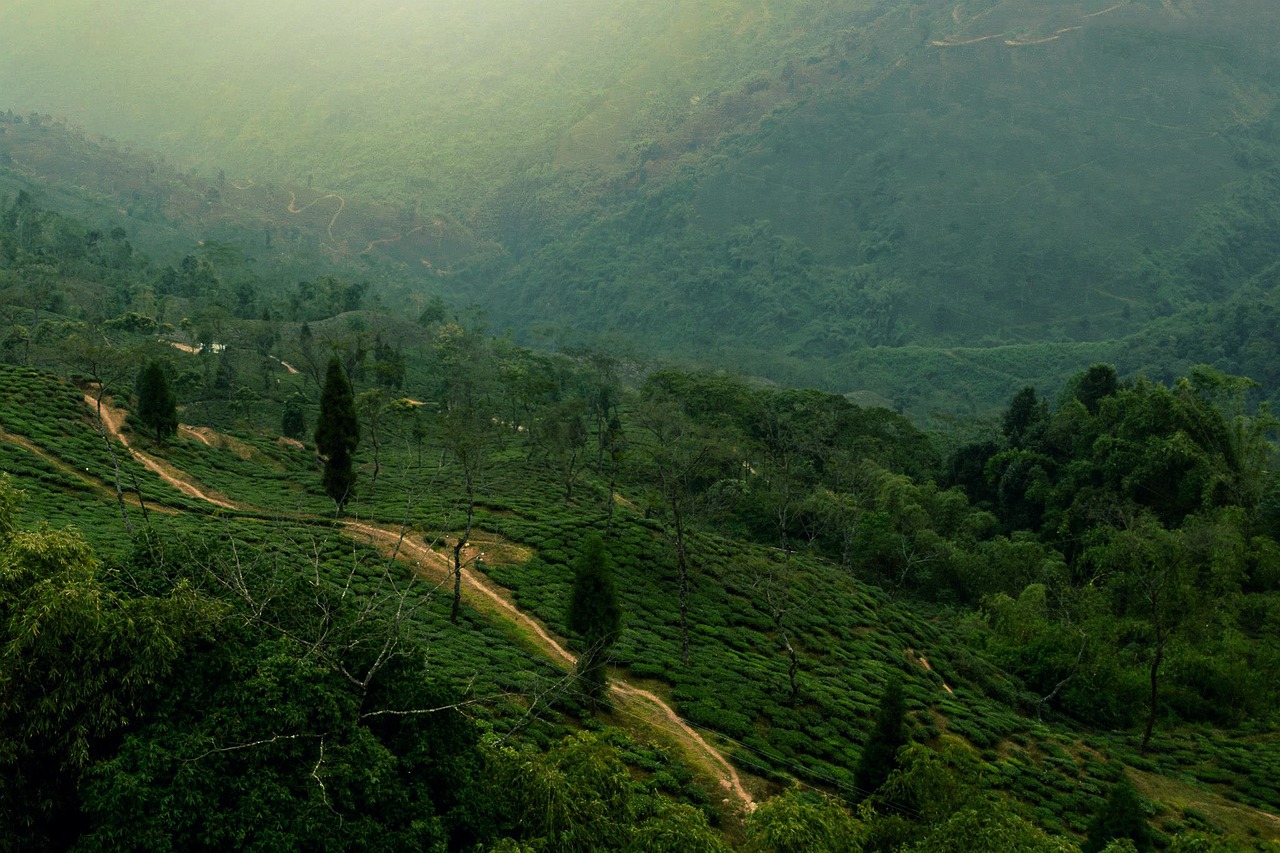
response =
{"points": [[432, 563]]}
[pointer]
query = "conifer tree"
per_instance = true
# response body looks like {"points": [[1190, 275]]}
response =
{"points": [[156, 406], [880, 755], [594, 614], [1121, 817], [338, 433]]}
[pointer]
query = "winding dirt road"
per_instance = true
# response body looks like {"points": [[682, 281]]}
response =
{"points": [[429, 561], [113, 420], [93, 483], [342, 205], [955, 40]]}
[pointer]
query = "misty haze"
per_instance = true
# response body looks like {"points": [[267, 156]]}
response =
{"points": [[602, 424]]}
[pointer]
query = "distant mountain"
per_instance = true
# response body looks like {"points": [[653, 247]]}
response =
{"points": [[864, 196]]}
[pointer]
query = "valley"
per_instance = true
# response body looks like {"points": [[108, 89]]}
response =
{"points": [[767, 425]]}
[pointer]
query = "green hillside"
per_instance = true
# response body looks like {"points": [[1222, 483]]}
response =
{"points": [[1078, 612]]}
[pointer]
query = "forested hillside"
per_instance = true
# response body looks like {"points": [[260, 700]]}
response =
{"points": [[884, 197], [835, 631]]}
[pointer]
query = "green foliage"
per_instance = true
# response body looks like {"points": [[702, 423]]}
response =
{"points": [[337, 433], [880, 753], [156, 406], [610, 191], [1121, 818], [78, 664], [992, 827], [293, 423], [1109, 561], [273, 734], [804, 823], [579, 796]]}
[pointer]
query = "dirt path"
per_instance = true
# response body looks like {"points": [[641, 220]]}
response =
{"points": [[1106, 10], [923, 663], [113, 419], [437, 563], [721, 767], [197, 434], [187, 348], [342, 205], [959, 41], [388, 240], [93, 483], [431, 561]]}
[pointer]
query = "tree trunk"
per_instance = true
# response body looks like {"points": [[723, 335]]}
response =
{"points": [[793, 667], [115, 463], [457, 581], [457, 556], [1155, 688], [682, 563], [608, 518]]}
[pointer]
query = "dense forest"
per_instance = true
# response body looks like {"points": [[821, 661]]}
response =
{"points": [[1059, 629]]}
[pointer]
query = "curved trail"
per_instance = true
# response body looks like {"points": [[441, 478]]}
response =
{"points": [[113, 419], [1106, 10], [389, 537], [957, 41], [429, 559], [289, 368], [388, 240], [1055, 36], [342, 205], [93, 483], [333, 221]]}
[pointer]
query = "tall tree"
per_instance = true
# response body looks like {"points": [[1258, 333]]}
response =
{"points": [[156, 406], [106, 365], [338, 433], [614, 441], [880, 755], [563, 436], [466, 379], [468, 436], [1150, 583], [1025, 414], [594, 614], [372, 405]]}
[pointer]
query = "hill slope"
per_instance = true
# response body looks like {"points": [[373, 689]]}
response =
{"points": [[795, 188]]}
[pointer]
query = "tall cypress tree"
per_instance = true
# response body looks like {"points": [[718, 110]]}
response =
{"points": [[594, 614], [880, 754], [156, 406], [338, 433]]}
